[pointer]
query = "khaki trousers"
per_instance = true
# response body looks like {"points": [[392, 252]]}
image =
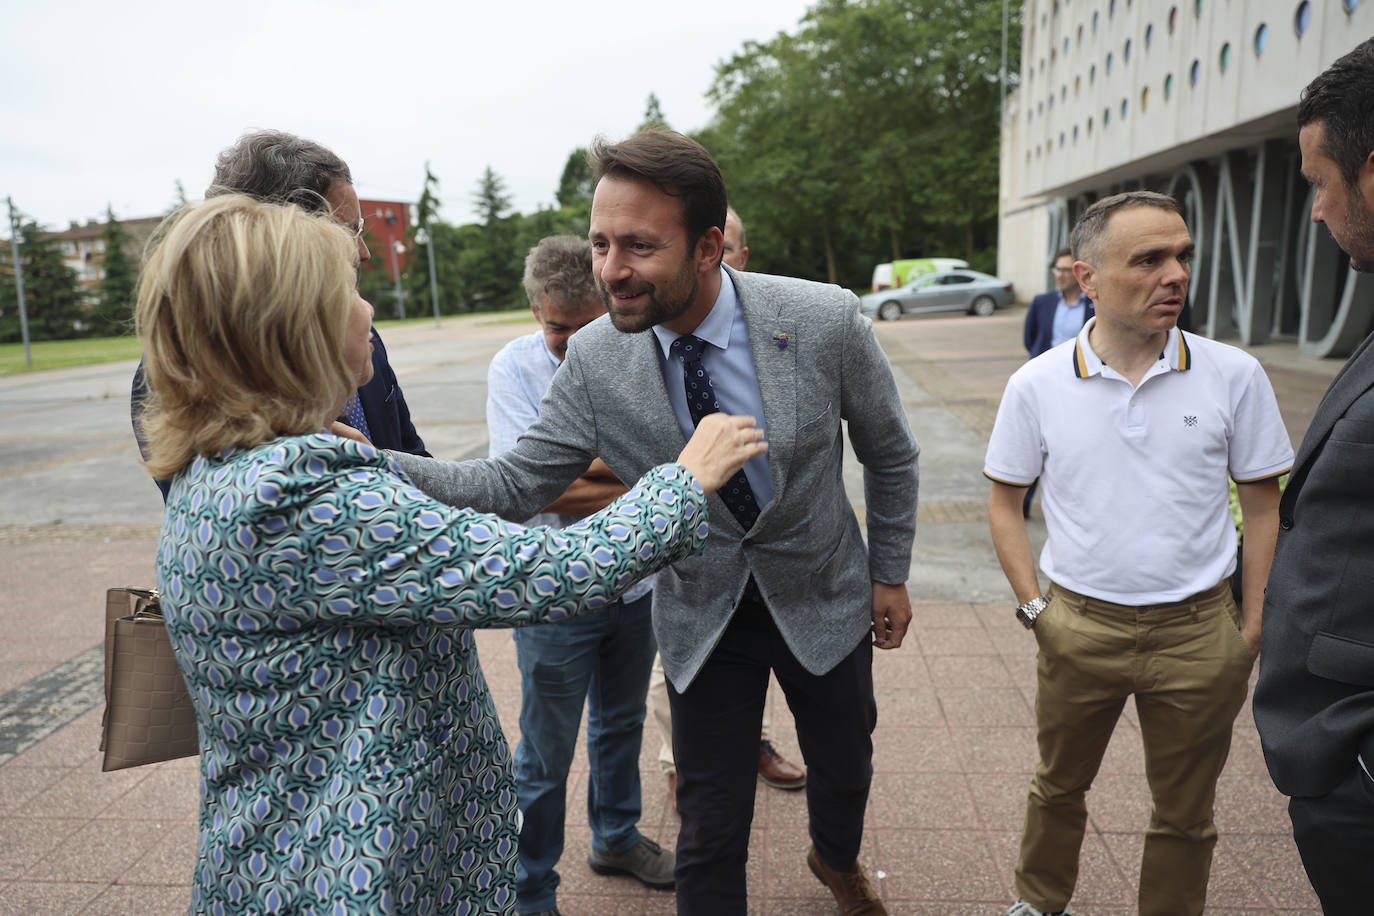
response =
{"points": [[1188, 669]]}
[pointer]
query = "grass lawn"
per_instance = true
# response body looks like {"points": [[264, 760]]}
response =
{"points": [[64, 354]]}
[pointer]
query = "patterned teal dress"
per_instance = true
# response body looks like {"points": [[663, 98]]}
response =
{"points": [[321, 609]]}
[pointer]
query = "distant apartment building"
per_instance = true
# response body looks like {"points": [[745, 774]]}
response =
{"points": [[1195, 99], [83, 247]]}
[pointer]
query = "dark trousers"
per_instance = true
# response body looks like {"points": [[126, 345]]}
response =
{"points": [[716, 743], [1335, 836]]}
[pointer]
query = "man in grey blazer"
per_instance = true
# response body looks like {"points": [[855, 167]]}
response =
{"points": [[1314, 702], [786, 583]]}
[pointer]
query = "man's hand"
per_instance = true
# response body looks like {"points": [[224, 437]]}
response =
{"points": [[344, 431], [891, 614]]}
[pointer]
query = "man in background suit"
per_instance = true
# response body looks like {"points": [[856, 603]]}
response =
{"points": [[1314, 703], [785, 583], [1052, 319], [275, 166], [1058, 316]]}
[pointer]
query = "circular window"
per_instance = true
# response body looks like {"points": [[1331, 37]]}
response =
{"points": [[1261, 38], [1195, 72], [1144, 99], [1149, 36], [1302, 18], [1126, 52], [1109, 61], [1224, 58], [1168, 86], [1173, 19]]}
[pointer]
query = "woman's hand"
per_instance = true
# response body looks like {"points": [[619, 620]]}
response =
{"points": [[344, 431], [719, 448]]}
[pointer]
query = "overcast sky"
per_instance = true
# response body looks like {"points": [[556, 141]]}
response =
{"points": [[112, 103]]}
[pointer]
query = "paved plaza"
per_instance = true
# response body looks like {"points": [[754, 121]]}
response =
{"points": [[954, 748]]}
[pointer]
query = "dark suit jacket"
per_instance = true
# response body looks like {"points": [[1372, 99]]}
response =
{"points": [[1314, 703], [1039, 330], [388, 416]]}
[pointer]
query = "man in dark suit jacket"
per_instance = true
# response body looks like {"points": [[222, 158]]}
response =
{"points": [[787, 583], [1067, 308], [1314, 703], [275, 166]]}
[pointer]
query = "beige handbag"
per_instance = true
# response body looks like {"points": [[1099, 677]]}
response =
{"points": [[148, 713]]}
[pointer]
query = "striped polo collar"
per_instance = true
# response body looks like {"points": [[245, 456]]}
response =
{"points": [[1177, 355]]}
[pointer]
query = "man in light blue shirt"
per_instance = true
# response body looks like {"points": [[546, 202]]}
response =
{"points": [[1057, 316], [603, 657]]}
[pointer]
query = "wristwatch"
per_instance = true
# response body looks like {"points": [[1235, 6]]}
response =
{"points": [[1026, 613]]}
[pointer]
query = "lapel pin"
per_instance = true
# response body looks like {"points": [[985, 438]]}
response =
{"points": [[781, 341]]}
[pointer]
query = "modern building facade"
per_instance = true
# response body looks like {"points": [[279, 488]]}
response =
{"points": [[1196, 99]]}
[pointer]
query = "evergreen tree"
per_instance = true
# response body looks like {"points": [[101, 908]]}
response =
{"points": [[492, 268], [52, 295], [653, 116], [114, 313]]}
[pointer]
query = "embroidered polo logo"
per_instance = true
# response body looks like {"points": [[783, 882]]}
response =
{"points": [[1190, 422]]}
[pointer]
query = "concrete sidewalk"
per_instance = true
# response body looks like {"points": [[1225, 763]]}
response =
{"points": [[955, 744]]}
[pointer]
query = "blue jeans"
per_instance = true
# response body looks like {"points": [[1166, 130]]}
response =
{"points": [[604, 657]]}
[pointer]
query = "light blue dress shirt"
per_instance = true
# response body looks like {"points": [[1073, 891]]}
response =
{"points": [[1068, 320], [730, 363]]}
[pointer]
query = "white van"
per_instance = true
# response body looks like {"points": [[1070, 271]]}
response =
{"points": [[896, 273]]}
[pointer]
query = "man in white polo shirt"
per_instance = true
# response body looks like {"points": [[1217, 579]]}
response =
{"points": [[1133, 428]]}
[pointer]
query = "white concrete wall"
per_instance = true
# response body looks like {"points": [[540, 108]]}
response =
{"points": [[1070, 132]]}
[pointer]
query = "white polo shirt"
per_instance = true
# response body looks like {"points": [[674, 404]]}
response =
{"points": [[1133, 481]]}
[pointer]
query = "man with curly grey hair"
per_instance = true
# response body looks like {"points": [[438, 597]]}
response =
{"points": [[604, 657]]}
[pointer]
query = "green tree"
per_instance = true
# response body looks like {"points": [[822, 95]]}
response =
{"points": [[492, 268], [872, 133], [114, 311], [52, 295], [653, 115], [575, 184]]}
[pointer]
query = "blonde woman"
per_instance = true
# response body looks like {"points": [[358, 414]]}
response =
{"points": [[321, 607]]}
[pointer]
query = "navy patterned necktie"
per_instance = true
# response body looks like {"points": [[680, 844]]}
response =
{"points": [[737, 495], [353, 415]]}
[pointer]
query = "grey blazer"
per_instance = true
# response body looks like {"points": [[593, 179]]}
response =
{"points": [[1314, 702], [805, 552]]}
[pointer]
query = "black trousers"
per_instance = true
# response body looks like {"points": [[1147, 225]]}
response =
{"points": [[1335, 836], [716, 744]]}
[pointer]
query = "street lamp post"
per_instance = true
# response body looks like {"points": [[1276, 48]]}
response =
{"points": [[422, 237], [396, 249]]}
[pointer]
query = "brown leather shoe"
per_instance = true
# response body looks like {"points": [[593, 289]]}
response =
{"points": [[777, 771], [672, 789], [852, 891]]}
